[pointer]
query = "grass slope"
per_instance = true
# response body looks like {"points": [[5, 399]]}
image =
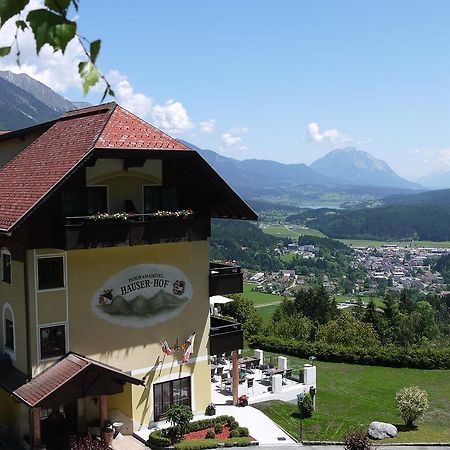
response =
{"points": [[260, 298], [351, 396], [294, 233]]}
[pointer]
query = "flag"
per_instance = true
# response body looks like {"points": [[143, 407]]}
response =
{"points": [[166, 348], [188, 347]]}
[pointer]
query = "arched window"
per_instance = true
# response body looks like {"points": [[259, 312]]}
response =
{"points": [[6, 265], [9, 332]]}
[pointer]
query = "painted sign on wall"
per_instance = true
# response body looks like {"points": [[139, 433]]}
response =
{"points": [[143, 295]]}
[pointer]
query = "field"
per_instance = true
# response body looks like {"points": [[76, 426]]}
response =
{"points": [[351, 396], [293, 232], [289, 231]]}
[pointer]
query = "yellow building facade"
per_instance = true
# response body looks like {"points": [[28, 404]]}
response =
{"points": [[105, 273]]}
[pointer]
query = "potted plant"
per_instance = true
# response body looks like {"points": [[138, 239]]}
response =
{"points": [[243, 400], [108, 429], [210, 409]]}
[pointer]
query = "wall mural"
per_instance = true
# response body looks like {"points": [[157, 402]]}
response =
{"points": [[143, 295]]}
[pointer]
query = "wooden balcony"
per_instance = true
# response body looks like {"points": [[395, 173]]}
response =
{"points": [[225, 336], [83, 232], [225, 279]]}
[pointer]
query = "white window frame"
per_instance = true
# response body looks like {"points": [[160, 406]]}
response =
{"points": [[66, 340], [7, 350], [56, 255], [5, 251]]}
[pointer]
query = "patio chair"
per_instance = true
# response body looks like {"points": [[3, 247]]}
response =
{"points": [[288, 374], [225, 380], [250, 384], [219, 372], [213, 374]]}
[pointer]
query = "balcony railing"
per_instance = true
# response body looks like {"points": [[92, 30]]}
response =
{"points": [[225, 279], [84, 232], [225, 336]]}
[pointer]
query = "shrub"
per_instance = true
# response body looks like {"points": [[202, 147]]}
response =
{"points": [[423, 357], [356, 440], [234, 433], [243, 432], [218, 428], [179, 417], [412, 402], [306, 406], [233, 425], [159, 438], [210, 435]]}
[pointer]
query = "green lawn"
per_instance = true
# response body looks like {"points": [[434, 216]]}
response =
{"points": [[351, 396], [266, 312], [259, 298]]}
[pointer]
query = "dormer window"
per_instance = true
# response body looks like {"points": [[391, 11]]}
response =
{"points": [[6, 266]]}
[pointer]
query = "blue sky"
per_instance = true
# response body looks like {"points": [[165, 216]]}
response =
{"points": [[287, 80]]}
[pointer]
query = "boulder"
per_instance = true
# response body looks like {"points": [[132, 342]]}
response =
{"points": [[381, 430]]}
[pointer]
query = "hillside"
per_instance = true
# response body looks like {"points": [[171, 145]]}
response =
{"points": [[437, 180], [394, 222], [438, 198], [352, 166]]}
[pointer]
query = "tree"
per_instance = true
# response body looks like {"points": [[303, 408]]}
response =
{"points": [[243, 310], [316, 304], [412, 403], [179, 417], [290, 326], [50, 25], [348, 331]]}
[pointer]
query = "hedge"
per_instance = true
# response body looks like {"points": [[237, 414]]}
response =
{"points": [[159, 438], [388, 355]]}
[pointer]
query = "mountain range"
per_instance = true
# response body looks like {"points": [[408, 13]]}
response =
{"points": [[26, 102], [437, 180], [342, 176]]}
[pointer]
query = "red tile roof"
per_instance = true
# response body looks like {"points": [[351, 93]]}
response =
{"points": [[60, 373], [32, 174], [126, 131]]}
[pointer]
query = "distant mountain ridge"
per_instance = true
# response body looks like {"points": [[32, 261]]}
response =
{"points": [[352, 166], [437, 180], [26, 102], [265, 180]]}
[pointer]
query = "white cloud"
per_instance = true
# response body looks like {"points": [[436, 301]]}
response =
{"points": [[232, 140], [207, 126], [331, 136], [60, 72], [444, 156], [172, 117], [55, 69]]}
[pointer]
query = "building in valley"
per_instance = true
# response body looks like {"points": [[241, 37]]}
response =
{"points": [[105, 274]]}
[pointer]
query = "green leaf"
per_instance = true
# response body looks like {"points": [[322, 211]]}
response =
{"points": [[21, 24], [9, 8], [59, 6], [4, 51], [94, 50], [89, 75], [50, 28]]}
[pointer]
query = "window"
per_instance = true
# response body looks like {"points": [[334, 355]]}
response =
{"points": [[51, 273], [53, 341], [97, 199], [9, 338], [6, 266], [160, 198], [9, 334], [175, 392]]}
